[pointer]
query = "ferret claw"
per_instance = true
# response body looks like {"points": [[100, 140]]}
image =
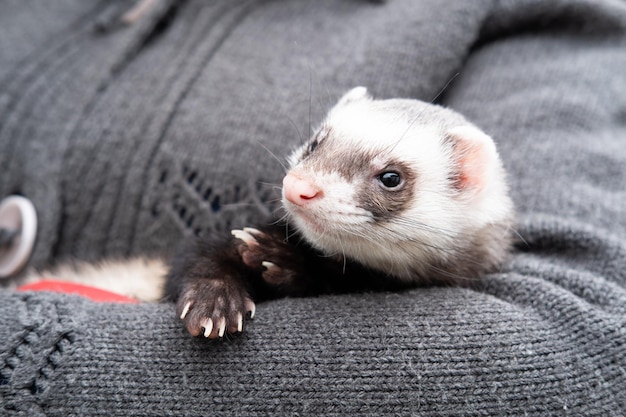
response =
{"points": [[239, 322], [185, 310], [252, 231], [270, 266], [208, 327], [244, 236], [250, 307], [221, 327]]}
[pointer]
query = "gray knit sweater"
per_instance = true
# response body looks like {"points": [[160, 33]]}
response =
{"points": [[129, 138]]}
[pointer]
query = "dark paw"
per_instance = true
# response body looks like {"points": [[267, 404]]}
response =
{"points": [[261, 251], [213, 306]]}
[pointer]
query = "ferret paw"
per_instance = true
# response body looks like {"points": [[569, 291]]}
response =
{"points": [[212, 307], [259, 250]]}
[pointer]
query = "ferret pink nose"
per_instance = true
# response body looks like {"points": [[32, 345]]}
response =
{"points": [[299, 191]]}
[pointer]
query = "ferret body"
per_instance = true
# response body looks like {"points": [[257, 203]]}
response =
{"points": [[386, 194]]}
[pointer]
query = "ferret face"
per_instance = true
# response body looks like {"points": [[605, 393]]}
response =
{"points": [[388, 183]]}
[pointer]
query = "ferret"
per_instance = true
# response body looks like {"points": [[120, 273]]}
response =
{"points": [[386, 194]]}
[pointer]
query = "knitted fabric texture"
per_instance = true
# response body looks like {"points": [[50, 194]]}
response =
{"points": [[130, 138]]}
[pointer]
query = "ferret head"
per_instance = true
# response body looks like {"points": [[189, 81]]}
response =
{"points": [[401, 186]]}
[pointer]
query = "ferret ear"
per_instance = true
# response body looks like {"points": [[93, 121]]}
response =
{"points": [[476, 158], [356, 94]]}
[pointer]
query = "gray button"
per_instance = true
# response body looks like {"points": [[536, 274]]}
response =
{"points": [[18, 215]]}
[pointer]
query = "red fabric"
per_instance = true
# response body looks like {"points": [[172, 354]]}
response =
{"points": [[95, 294]]}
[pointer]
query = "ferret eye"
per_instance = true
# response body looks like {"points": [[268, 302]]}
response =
{"points": [[390, 179], [313, 145]]}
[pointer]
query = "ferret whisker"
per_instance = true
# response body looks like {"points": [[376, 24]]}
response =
{"points": [[418, 241], [407, 130], [343, 255], [282, 164], [441, 249], [328, 96], [412, 224], [274, 201], [269, 184], [286, 227], [445, 87], [300, 137], [290, 235], [516, 233], [279, 214], [442, 272], [395, 145], [237, 205], [310, 96], [448, 274], [438, 229], [282, 219], [379, 240]]}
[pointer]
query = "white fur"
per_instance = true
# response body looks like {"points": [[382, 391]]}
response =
{"points": [[140, 278]]}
